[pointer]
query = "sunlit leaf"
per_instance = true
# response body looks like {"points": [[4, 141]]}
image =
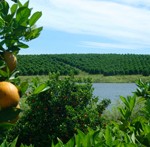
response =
{"points": [[13, 75], [22, 15], [14, 8], [34, 33], [108, 136], [43, 87], [26, 4], [34, 18]]}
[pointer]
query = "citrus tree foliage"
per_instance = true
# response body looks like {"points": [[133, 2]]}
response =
{"points": [[17, 25], [57, 109], [130, 130], [106, 64]]}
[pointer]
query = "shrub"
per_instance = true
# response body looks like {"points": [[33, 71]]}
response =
{"points": [[57, 109]]}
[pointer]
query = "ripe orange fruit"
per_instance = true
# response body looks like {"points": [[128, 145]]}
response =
{"points": [[9, 95], [10, 59]]}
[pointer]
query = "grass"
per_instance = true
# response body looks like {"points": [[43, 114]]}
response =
{"points": [[98, 78]]}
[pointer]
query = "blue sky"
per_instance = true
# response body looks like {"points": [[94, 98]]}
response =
{"points": [[92, 26]]}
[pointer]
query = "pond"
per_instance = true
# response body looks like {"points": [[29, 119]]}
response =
{"points": [[113, 91]]}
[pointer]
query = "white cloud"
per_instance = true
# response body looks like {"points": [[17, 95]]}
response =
{"points": [[124, 21], [103, 45], [136, 3]]}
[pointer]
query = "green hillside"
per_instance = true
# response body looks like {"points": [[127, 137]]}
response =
{"points": [[106, 64]]}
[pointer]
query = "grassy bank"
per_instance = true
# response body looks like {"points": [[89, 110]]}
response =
{"points": [[100, 78]]}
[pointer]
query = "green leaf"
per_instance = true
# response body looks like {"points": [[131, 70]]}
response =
{"points": [[22, 45], [132, 101], [9, 114], [13, 8], [60, 143], [1, 23], [5, 126], [19, 3], [14, 75], [14, 142], [108, 136], [33, 33], [79, 137], [133, 138], [122, 111], [124, 100], [3, 73], [23, 87], [5, 8], [43, 87], [4, 144], [34, 18], [70, 143], [22, 15], [14, 1], [26, 4]]}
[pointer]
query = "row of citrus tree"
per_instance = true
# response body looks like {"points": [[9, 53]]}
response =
{"points": [[106, 64], [109, 64], [42, 65]]}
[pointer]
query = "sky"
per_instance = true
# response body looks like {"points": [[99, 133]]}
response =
{"points": [[91, 26]]}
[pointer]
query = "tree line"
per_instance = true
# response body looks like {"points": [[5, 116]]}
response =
{"points": [[106, 64]]}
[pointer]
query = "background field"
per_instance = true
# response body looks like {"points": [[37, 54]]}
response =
{"points": [[98, 78]]}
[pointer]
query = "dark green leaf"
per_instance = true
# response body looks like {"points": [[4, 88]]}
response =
{"points": [[14, 1], [5, 8], [1, 23], [9, 114], [5, 126], [22, 45]]}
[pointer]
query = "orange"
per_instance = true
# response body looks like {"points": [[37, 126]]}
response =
{"points": [[10, 59], [9, 95]]}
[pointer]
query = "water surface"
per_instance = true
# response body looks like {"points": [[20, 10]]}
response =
{"points": [[113, 91]]}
